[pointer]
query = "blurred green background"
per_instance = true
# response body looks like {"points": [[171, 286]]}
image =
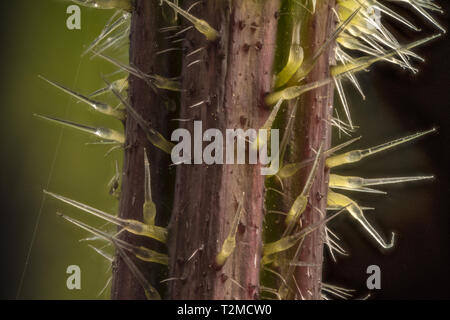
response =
{"points": [[38, 155]]}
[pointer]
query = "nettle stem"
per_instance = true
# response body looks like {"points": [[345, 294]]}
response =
{"points": [[145, 41], [310, 130], [227, 89], [232, 81]]}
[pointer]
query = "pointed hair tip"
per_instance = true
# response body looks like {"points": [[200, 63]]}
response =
{"points": [[40, 76], [392, 243], [45, 79], [37, 115]]}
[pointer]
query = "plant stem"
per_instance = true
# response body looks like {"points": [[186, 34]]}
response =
{"points": [[144, 43], [310, 130], [233, 79]]}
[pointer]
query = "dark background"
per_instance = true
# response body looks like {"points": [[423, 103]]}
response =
{"points": [[398, 103], [35, 41]]}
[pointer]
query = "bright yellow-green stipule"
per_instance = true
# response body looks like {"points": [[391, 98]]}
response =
{"points": [[295, 58]]}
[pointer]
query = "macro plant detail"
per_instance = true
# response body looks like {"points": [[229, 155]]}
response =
{"points": [[226, 231]]}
